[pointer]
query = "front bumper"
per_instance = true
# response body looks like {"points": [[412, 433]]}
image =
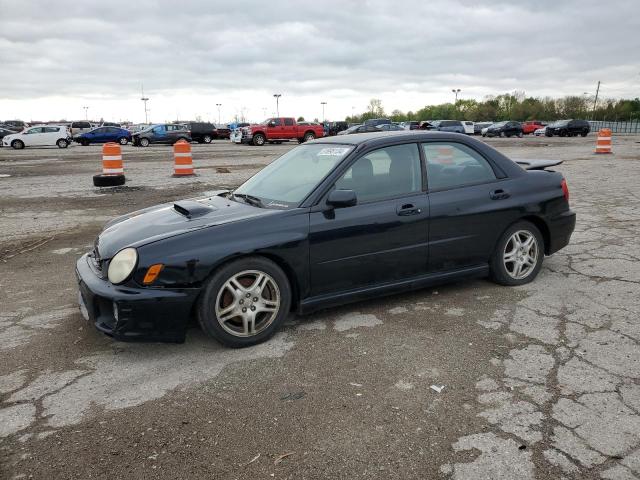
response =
{"points": [[142, 313], [560, 229]]}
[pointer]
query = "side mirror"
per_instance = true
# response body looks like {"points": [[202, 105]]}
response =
{"points": [[342, 198], [271, 124]]}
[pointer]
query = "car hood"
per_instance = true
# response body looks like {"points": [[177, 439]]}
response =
{"points": [[167, 220]]}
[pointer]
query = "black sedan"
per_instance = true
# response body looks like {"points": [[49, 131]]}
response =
{"points": [[335, 220], [504, 129]]}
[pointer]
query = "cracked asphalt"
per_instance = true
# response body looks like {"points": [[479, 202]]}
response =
{"points": [[539, 382]]}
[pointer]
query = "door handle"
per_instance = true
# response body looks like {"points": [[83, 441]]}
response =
{"points": [[499, 194], [408, 209]]}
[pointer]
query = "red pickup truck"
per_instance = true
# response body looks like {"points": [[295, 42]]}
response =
{"points": [[277, 130], [531, 126]]}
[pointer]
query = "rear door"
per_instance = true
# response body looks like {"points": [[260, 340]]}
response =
{"points": [[470, 206], [51, 135], [383, 238], [159, 134], [289, 129]]}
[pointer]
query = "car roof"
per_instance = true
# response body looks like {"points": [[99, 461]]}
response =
{"points": [[384, 136]]}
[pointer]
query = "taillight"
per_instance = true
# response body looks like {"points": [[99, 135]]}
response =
{"points": [[565, 189]]}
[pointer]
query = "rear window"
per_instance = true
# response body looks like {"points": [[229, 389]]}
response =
{"points": [[288, 121]]}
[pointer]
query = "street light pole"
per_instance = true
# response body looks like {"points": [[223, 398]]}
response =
{"points": [[456, 91], [86, 113], [277, 95], [218, 105], [145, 100], [323, 104]]}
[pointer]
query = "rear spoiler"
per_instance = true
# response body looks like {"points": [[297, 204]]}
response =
{"points": [[537, 164]]}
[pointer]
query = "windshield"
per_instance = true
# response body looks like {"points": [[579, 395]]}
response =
{"points": [[289, 179], [500, 124], [560, 123]]}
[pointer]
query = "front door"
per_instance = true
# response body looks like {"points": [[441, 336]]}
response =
{"points": [[470, 206], [34, 137], [383, 238]]}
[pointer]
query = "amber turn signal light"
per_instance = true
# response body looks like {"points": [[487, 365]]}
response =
{"points": [[152, 273]]}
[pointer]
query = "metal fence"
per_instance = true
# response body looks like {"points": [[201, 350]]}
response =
{"points": [[619, 128]]}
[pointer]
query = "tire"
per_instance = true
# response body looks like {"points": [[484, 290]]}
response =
{"points": [[258, 140], [584, 133], [144, 142], [123, 140], [563, 133], [62, 143], [501, 134], [309, 136], [17, 144], [84, 142], [102, 180], [207, 139], [505, 272], [547, 134], [217, 296], [520, 134]]}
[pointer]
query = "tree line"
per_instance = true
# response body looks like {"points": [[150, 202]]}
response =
{"points": [[512, 106]]}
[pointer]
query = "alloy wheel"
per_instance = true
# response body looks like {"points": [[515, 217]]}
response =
{"points": [[247, 303], [520, 254]]}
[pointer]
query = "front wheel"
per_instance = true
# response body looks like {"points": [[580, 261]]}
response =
{"points": [[518, 256], [245, 302], [259, 139], [144, 142], [62, 143], [520, 134], [207, 139], [17, 144], [584, 133]]}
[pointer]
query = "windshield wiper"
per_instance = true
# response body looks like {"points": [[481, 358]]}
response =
{"points": [[250, 199]]}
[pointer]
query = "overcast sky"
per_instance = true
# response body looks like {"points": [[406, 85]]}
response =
{"points": [[57, 57]]}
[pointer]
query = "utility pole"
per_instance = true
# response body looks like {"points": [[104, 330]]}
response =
{"points": [[323, 104], [145, 100], [277, 95], [595, 102], [218, 105]]}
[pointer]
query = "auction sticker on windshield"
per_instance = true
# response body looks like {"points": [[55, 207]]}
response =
{"points": [[334, 151]]}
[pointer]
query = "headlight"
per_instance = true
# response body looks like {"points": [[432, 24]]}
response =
{"points": [[122, 265]]}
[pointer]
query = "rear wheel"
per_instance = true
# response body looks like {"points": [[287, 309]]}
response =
{"points": [[259, 139], [518, 255], [17, 144], [207, 139], [309, 136], [245, 302], [62, 143], [123, 140], [584, 133]]}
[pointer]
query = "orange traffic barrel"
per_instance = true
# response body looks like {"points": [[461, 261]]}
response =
{"points": [[444, 155], [112, 168], [603, 144], [112, 159], [183, 165]]}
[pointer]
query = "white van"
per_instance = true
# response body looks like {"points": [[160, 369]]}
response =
{"points": [[39, 136], [468, 127]]}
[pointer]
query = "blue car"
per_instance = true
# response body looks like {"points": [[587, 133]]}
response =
{"points": [[104, 135]]}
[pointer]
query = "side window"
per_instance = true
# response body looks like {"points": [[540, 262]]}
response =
{"points": [[34, 130], [51, 129], [288, 122], [384, 173], [451, 165], [276, 122]]}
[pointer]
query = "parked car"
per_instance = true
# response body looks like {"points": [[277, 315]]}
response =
{"points": [[222, 132], [426, 125], [359, 129], [162, 133], [411, 125], [80, 127], [540, 132], [568, 128], [4, 132], [331, 221], [202, 132], [478, 127], [377, 121], [14, 125], [104, 135], [390, 127], [337, 127], [504, 129], [468, 127], [531, 126], [278, 130], [448, 126], [39, 136]]}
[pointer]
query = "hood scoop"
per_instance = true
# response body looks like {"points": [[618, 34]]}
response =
{"points": [[192, 209]]}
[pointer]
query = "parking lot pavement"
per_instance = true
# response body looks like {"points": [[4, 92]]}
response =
{"points": [[540, 381]]}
